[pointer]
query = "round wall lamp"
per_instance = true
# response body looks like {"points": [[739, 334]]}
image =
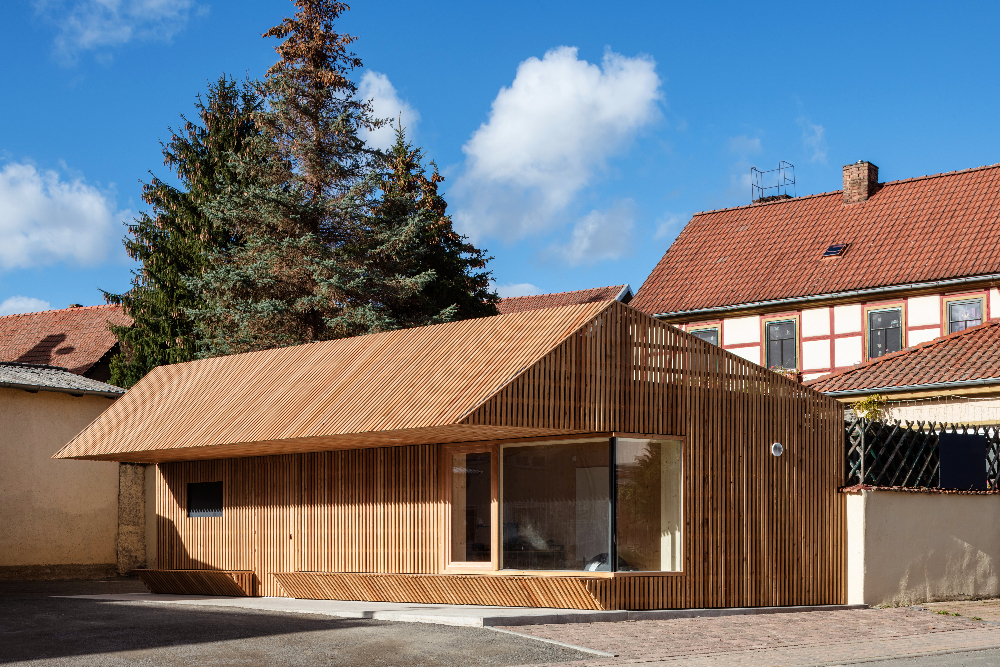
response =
{"points": [[777, 449]]}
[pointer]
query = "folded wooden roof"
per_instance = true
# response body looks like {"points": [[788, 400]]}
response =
{"points": [[399, 387]]}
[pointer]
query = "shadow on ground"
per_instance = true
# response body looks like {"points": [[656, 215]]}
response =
{"points": [[49, 630]]}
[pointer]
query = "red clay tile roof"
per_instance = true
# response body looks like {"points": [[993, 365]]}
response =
{"points": [[73, 338], [517, 304], [914, 230], [972, 354]]}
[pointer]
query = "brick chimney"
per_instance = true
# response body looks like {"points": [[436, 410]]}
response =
{"points": [[860, 181]]}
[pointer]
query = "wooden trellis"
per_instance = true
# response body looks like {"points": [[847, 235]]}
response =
{"points": [[905, 454]]}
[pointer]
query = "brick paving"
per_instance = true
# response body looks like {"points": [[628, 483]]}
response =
{"points": [[773, 640]]}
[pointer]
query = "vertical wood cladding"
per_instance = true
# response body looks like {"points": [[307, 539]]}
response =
{"points": [[759, 530], [370, 510]]}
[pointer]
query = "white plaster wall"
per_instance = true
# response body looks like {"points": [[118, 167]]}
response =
{"points": [[923, 310], [739, 330], [944, 409], [908, 548], [53, 512], [816, 353], [751, 353], [816, 322], [847, 351], [921, 336], [994, 304], [847, 319]]}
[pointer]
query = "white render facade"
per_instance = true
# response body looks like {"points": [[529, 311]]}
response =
{"points": [[825, 339]]}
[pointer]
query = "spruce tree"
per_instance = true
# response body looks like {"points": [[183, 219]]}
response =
{"points": [[411, 242], [328, 246], [175, 238], [288, 282]]}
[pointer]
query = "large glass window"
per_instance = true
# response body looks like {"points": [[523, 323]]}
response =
{"points": [[471, 511], [781, 345], [708, 335], [648, 511], [964, 314], [885, 332], [555, 506], [558, 512]]}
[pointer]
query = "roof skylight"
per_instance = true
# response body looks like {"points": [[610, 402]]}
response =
{"points": [[836, 250]]}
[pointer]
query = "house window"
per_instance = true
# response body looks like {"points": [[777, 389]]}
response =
{"points": [[471, 507], [964, 314], [781, 344], [204, 499], [708, 335], [885, 332], [556, 506], [559, 514]]}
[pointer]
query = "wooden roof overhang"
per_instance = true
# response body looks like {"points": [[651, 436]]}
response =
{"points": [[587, 368]]}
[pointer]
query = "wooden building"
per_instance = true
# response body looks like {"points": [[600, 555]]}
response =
{"points": [[585, 456]]}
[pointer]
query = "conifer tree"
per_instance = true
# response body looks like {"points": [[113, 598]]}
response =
{"points": [[412, 242], [328, 247], [175, 238]]}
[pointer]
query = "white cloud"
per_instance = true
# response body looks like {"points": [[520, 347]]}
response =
{"points": [[668, 225], [45, 219], [376, 87], [22, 304], [547, 136], [813, 138], [600, 235], [94, 24], [744, 145], [516, 289]]}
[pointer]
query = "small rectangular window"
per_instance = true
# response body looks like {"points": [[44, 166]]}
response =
{"points": [[781, 345], [204, 499], [885, 332], [964, 314], [708, 335]]}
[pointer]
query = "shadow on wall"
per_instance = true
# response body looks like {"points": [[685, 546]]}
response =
{"points": [[171, 554], [46, 350]]}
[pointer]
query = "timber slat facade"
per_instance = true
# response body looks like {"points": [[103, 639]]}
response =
{"points": [[331, 473]]}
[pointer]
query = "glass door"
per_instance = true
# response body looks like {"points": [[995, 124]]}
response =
{"points": [[472, 507]]}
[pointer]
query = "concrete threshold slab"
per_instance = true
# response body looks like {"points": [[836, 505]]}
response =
{"points": [[445, 614]]}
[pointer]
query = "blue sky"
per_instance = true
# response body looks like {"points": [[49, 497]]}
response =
{"points": [[576, 138]]}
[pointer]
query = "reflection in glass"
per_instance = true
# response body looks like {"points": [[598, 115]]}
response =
{"points": [[471, 527], [556, 506], [648, 518]]}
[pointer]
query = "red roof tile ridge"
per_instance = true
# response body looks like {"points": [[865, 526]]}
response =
{"points": [[769, 203], [942, 174], [837, 192], [109, 306], [885, 358], [572, 291]]}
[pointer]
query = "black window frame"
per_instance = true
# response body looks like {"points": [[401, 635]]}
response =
{"points": [[699, 330], [964, 302], [794, 344], [209, 498], [885, 336]]}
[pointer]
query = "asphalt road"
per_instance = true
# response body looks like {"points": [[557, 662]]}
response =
{"points": [[966, 659], [52, 631]]}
